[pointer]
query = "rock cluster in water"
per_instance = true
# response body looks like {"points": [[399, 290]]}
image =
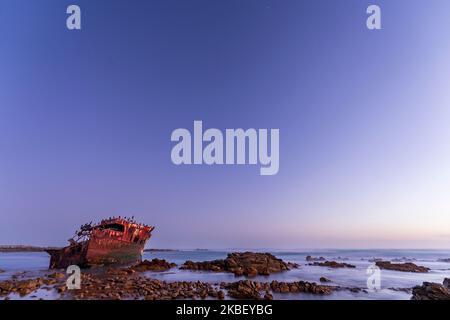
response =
{"points": [[26, 286], [120, 287], [405, 267], [126, 285], [323, 279], [153, 265], [332, 264], [138, 287], [247, 289], [247, 263], [312, 259], [432, 291]]}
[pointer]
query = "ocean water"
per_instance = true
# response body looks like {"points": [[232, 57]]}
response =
{"points": [[394, 284]]}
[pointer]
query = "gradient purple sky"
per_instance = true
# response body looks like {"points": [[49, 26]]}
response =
{"points": [[364, 119]]}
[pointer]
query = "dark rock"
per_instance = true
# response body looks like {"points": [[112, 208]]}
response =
{"points": [[252, 271], [447, 283], [153, 265], [431, 291], [117, 272], [22, 287], [404, 267], [332, 264], [312, 259], [246, 263], [244, 289], [300, 286], [284, 287], [61, 289], [215, 265], [323, 279], [56, 275], [406, 290], [268, 296]]}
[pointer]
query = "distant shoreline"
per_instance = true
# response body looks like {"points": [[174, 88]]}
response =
{"points": [[160, 250], [24, 248], [27, 248], [30, 248]]}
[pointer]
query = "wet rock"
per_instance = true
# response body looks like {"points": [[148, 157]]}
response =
{"points": [[246, 263], [244, 289], [292, 265], [122, 284], [6, 287], [50, 281], [61, 289], [404, 267], [118, 272], [268, 296], [406, 290], [214, 265], [1, 271], [56, 275], [19, 274], [300, 286], [323, 279], [22, 287], [252, 272], [153, 265], [133, 286], [431, 291], [332, 264], [312, 259]]}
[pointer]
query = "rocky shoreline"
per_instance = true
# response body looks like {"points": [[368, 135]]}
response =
{"points": [[432, 291], [24, 248], [127, 284], [131, 282]]}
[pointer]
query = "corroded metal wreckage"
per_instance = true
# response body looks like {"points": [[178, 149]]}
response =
{"points": [[113, 240]]}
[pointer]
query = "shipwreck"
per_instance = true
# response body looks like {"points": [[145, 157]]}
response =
{"points": [[112, 241]]}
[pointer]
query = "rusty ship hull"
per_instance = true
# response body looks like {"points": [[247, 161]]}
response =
{"points": [[113, 241]]}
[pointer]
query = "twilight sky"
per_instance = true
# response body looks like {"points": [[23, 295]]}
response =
{"points": [[364, 118]]}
